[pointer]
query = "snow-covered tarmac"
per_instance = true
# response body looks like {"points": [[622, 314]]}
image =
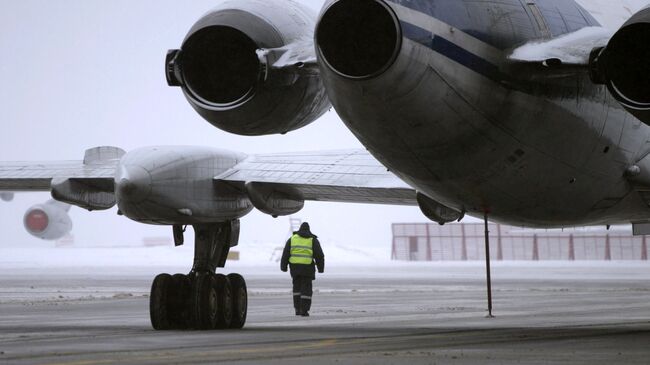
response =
{"points": [[374, 313]]}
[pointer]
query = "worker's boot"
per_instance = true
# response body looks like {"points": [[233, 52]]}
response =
{"points": [[305, 306], [296, 303]]}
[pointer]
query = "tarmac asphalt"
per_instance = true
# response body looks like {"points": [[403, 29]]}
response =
{"points": [[423, 313]]}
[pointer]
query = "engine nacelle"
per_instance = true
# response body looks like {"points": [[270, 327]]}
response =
{"points": [[48, 221], [274, 200], [245, 67], [624, 65], [437, 212]]}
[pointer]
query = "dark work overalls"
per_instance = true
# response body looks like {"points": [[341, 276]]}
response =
{"points": [[302, 254]]}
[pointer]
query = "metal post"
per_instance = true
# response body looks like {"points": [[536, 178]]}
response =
{"points": [[500, 244], [535, 248], [463, 253], [393, 254], [487, 266], [429, 255]]}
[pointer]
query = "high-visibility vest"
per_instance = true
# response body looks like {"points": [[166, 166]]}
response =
{"points": [[301, 250]]}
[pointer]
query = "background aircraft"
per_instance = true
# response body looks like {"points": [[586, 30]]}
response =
{"points": [[48, 221]]}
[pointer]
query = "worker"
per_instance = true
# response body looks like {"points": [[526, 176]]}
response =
{"points": [[300, 253]]}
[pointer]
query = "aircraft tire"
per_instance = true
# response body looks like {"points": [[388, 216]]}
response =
{"points": [[179, 301], [224, 299], [204, 302], [159, 308], [239, 301]]}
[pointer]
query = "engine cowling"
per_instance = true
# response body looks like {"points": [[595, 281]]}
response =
{"points": [[274, 200], [48, 221], [624, 65], [245, 67]]}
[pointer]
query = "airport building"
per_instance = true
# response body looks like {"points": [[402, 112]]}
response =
{"points": [[465, 242]]}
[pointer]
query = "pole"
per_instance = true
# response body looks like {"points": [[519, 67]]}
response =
{"points": [[487, 266]]}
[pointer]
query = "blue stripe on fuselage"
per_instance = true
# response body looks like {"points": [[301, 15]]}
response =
{"points": [[455, 13], [452, 51], [491, 21]]}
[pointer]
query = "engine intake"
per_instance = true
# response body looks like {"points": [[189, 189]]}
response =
{"points": [[624, 65], [217, 80], [358, 39]]}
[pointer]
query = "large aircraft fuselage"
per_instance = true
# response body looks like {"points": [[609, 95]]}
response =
{"points": [[455, 118]]}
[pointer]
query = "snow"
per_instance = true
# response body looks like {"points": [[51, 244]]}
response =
{"points": [[260, 260], [573, 48], [255, 254]]}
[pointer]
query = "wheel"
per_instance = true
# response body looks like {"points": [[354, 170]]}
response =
{"points": [[159, 308], [239, 300], [224, 299], [204, 302], [179, 299]]}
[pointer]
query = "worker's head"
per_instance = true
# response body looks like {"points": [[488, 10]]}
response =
{"points": [[304, 226]]}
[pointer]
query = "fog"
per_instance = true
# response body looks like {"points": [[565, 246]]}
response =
{"points": [[78, 74]]}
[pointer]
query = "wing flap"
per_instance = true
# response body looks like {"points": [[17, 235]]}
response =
{"points": [[336, 176], [99, 166]]}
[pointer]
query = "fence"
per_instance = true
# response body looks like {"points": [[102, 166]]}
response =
{"points": [[465, 242]]}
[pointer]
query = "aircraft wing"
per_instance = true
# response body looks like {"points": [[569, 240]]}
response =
{"points": [[97, 168], [31, 176], [337, 176]]}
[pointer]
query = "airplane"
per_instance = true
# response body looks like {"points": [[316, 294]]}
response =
{"points": [[531, 113], [48, 221]]}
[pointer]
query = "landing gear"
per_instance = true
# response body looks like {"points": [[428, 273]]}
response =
{"points": [[224, 302], [159, 302], [239, 300], [202, 299]]}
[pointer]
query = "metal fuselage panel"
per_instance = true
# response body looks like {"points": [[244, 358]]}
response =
{"points": [[453, 121], [175, 185]]}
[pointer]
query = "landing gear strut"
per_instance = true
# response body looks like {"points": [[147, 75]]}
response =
{"points": [[202, 299]]}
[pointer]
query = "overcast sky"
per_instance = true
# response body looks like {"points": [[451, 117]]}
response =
{"points": [[82, 73]]}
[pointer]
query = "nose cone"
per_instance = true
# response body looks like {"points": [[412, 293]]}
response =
{"points": [[133, 184]]}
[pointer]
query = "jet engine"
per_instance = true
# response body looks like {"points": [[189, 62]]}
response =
{"points": [[358, 39], [624, 65], [48, 221], [249, 67]]}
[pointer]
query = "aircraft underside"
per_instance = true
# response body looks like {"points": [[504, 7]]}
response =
{"points": [[463, 125]]}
